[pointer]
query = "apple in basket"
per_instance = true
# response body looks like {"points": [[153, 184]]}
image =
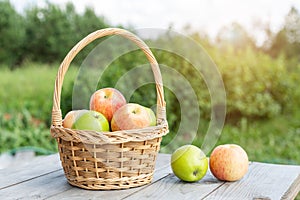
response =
{"points": [[228, 162], [132, 116], [189, 163], [107, 101], [71, 117], [91, 120], [152, 116]]}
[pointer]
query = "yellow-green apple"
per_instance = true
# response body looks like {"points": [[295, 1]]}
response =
{"points": [[189, 163], [152, 116], [228, 162], [91, 120], [107, 101], [131, 116], [71, 117]]}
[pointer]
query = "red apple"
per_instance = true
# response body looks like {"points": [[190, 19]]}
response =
{"points": [[71, 117], [131, 116], [107, 101], [228, 162]]}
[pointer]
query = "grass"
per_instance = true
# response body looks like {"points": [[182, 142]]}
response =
{"points": [[31, 88], [25, 108], [275, 140], [25, 111]]}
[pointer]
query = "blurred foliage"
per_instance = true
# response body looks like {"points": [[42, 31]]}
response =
{"points": [[27, 124], [22, 130], [287, 40], [31, 88], [261, 82], [44, 34], [256, 84]]}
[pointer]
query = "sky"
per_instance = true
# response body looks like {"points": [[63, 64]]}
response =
{"points": [[205, 15]]}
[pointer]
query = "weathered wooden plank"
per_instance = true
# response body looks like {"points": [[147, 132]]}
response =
{"points": [[54, 186], [7, 160], [263, 181], [38, 167], [44, 179], [171, 187], [162, 169], [293, 190], [37, 188]]}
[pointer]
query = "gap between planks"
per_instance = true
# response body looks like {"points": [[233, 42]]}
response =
{"points": [[293, 190]]}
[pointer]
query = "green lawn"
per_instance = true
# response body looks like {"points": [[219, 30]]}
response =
{"points": [[25, 112], [26, 103]]}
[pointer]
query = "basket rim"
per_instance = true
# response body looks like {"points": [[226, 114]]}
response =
{"points": [[110, 137]]}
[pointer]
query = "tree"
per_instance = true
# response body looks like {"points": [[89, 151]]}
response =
{"points": [[83, 25], [52, 31], [287, 40], [12, 34], [234, 36], [48, 33]]}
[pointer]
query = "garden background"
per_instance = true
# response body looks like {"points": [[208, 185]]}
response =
{"points": [[261, 81]]}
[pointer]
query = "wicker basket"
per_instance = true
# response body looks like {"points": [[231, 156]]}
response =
{"points": [[110, 160]]}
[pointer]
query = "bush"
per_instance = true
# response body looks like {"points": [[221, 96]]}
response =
{"points": [[256, 84], [22, 130]]}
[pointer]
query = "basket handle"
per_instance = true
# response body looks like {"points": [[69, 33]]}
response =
{"points": [[161, 105]]}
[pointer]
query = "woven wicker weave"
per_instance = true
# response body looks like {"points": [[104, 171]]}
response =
{"points": [[110, 160]]}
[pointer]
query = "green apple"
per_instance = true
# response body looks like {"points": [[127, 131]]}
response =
{"points": [[151, 116], [91, 120], [71, 117], [189, 163]]}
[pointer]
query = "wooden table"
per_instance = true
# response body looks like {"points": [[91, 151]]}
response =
{"points": [[43, 178]]}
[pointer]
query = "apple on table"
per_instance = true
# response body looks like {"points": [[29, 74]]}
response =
{"points": [[229, 162], [189, 163]]}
